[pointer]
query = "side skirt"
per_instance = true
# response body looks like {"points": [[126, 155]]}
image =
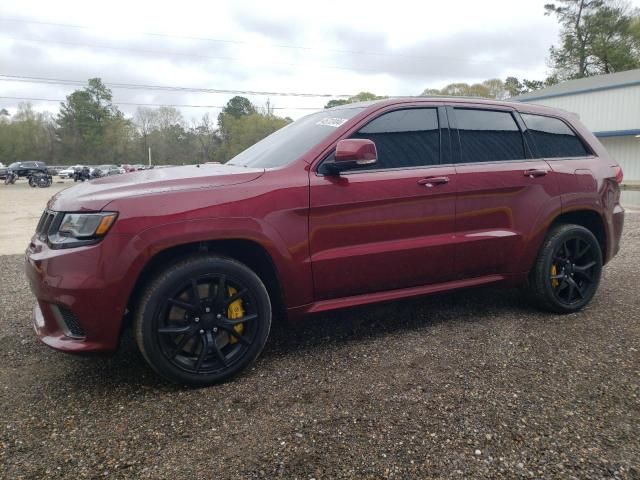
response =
{"points": [[365, 299]]}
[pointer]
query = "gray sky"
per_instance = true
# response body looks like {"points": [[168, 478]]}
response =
{"points": [[389, 48]]}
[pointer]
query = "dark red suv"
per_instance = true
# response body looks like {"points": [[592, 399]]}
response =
{"points": [[348, 206]]}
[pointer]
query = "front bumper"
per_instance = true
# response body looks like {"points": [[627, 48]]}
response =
{"points": [[80, 303], [54, 335]]}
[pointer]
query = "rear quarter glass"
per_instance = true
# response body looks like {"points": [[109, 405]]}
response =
{"points": [[553, 138]]}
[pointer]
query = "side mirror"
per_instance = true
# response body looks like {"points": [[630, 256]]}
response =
{"points": [[352, 153]]}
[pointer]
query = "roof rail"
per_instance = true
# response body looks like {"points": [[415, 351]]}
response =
{"points": [[473, 97]]}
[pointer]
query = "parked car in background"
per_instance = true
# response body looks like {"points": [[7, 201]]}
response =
{"points": [[139, 166], [68, 172], [106, 170], [349, 206], [24, 169]]}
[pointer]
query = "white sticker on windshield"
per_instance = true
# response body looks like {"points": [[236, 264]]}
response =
{"points": [[334, 122]]}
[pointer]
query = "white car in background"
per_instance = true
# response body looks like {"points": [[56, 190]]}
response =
{"points": [[68, 172]]}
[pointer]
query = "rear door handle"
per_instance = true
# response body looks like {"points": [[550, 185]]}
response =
{"points": [[535, 172], [433, 181]]}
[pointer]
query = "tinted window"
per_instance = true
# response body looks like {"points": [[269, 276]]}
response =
{"points": [[405, 138], [553, 137], [487, 136], [294, 140]]}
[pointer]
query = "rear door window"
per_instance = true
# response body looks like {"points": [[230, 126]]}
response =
{"points": [[488, 136], [404, 138], [553, 137]]}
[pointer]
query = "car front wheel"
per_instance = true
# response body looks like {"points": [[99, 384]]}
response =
{"points": [[203, 320]]}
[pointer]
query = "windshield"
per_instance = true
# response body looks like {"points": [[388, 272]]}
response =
{"points": [[290, 142]]}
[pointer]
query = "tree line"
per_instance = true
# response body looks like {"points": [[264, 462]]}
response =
{"points": [[90, 129]]}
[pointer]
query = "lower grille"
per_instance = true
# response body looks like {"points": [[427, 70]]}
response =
{"points": [[68, 322]]}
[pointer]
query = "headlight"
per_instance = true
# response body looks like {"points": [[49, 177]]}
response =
{"points": [[78, 229]]}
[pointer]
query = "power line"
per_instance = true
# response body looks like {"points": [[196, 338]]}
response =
{"points": [[136, 86], [219, 40], [432, 58], [228, 59], [36, 99]]}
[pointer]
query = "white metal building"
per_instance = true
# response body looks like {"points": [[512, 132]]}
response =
{"points": [[609, 105]]}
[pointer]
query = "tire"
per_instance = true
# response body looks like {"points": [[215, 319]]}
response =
{"points": [[567, 271], [202, 338]]}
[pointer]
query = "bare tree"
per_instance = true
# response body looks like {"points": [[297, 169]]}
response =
{"points": [[146, 120], [206, 136]]}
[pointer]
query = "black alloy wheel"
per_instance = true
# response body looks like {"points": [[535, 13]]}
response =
{"points": [[203, 320], [196, 333], [572, 270], [567, 273]]}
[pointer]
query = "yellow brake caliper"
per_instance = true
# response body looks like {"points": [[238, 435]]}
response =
{"points": [[554, 272], [235, 312]]}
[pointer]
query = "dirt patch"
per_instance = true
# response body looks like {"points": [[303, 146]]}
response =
{"points": [[20, 209]]}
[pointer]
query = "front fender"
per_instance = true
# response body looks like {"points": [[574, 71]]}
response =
{"points": [[295, 275]]}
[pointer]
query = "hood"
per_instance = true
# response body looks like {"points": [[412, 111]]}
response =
{"points": [[96, 194]]}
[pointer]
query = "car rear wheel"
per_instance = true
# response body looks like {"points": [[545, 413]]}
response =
{"points": [[203, 320], [568, 269]]}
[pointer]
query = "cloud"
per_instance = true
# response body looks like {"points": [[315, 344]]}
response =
{"points": [[470, 54], [274, 29], [341, 48]]}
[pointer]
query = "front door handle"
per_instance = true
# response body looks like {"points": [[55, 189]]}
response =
{"points": [[535, 172], [433, 181]]}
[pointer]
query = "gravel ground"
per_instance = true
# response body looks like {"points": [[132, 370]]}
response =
{"points": [[475, 384]]}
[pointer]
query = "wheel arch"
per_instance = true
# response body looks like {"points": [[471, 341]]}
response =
{"points": [[248, 252], [589, 219]]}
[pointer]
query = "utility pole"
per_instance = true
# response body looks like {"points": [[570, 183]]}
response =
{"points": [[149, 156]]}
